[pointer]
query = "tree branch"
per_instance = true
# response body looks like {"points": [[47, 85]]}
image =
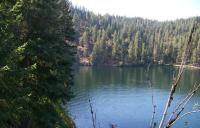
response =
{"points": [[93, 115], [183, 104], [188, 113]]}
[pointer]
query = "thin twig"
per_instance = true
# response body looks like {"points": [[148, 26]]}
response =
{"points": [[171, 121], [93, 115], [188, 113], [152, 123]]}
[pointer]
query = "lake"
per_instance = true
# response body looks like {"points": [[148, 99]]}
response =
{"points": [[122, 96]]}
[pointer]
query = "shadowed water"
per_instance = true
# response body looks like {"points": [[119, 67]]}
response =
{"points": [[121, 96]]}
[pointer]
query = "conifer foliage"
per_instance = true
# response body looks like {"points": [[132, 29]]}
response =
{"points": [[130, 41], [36, 55]]}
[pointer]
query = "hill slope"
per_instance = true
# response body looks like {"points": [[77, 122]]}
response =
{"points": [[115, 40]]}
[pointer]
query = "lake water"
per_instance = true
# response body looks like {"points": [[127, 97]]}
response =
{"points": [[121, 96]]}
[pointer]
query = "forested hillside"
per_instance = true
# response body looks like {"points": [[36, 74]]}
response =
{"points": [[115, 40]]}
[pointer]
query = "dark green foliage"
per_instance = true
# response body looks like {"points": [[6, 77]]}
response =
{"points": [[134, 40], [36, 58]]}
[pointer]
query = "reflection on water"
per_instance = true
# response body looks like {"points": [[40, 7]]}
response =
{"points": [[121, 96]]}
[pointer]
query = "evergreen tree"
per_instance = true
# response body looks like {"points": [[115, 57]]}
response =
{"points": [[115, 49], [143, 53], [136, 47], [36, 76], [131, 53]]}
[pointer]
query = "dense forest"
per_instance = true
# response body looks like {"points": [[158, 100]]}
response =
{"points": [[116, 40]]}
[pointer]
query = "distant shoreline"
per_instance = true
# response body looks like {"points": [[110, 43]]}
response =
{"points": [[136, 65], [187, 66]]}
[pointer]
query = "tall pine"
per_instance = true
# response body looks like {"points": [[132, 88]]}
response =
{"points": [[35, 76]]}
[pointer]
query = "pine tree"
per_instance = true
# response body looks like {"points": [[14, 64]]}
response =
{"points": [[131, 53], [97, 51], [36, 75], [137, 46], [115, 49], [143, 53]]}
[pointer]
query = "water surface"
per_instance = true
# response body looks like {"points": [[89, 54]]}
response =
{"points": [[122, 96]]}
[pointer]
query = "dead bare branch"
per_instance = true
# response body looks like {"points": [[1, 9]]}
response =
{"points": [[93, 115], [188, 113], [183, 104], [152, 123]]}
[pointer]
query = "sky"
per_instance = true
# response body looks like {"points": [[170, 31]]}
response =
{"points": [[161, 10]]}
